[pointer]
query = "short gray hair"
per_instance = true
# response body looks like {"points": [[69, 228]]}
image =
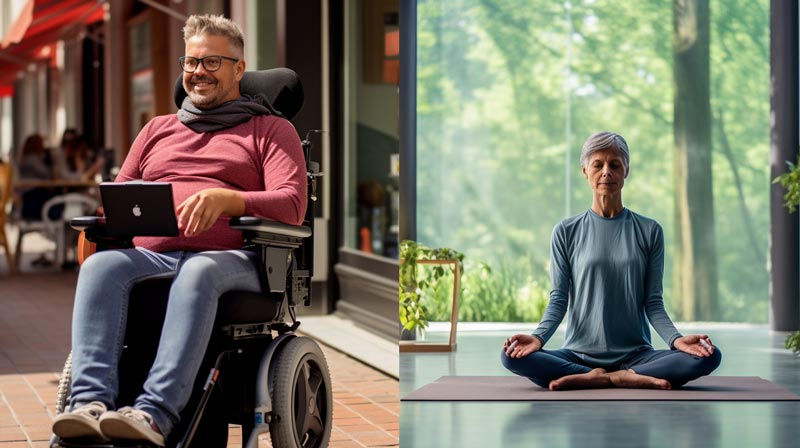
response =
{"points": [[605, 140], [197, 25]]}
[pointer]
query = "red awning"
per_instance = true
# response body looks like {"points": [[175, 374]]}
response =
{"points": [[6, 91], [40, 24]]}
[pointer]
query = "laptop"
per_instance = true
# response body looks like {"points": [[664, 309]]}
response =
{"points": [[139, 208]]}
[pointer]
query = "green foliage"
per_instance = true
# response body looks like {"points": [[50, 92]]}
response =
{"points": [[412, 286], [791, 182], [793, 342], [505, 294]]}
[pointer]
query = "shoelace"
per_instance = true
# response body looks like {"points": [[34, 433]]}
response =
{"points": [[93, 409], [137, 415]]}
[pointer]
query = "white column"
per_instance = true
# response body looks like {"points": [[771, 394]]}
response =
{"points": [[115, 80]]}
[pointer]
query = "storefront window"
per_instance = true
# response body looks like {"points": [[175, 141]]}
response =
{"points": [[371, 128]]}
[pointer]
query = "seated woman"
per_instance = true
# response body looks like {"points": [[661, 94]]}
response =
{"points": [[34, 163], [606, 270], [75, 160]]}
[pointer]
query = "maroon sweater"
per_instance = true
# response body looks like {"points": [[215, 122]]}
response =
{"points": [[262, 158]]}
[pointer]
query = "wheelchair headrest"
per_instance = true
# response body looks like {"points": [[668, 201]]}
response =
{"points": [[281, 86]]}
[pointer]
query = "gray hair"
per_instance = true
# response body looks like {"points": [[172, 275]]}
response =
{"points": [[605, 140], [197, 25]]}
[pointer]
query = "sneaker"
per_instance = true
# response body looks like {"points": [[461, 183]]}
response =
{"points": [[82, 422], [131, 424]]}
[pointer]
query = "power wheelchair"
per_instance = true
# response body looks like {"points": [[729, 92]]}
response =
{"points": [[256, 371]]}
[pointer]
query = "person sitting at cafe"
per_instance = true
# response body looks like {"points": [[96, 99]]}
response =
{"points": [[75, 161], [34, 163]]}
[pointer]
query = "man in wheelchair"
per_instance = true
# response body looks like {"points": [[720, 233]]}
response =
{"points": [[226, 155]]}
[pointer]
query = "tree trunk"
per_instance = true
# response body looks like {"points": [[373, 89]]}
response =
{"points": [[695, 266]]}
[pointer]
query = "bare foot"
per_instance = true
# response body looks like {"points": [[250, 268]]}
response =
{"points": [[596, 379], [631, 379]]}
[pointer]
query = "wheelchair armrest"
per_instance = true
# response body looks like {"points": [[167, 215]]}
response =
{"points": [[282, 249], [265, 227], [95, 231], [82, 223]]}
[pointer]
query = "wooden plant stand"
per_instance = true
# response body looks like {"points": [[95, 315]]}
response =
{"points": [[450, 346]]}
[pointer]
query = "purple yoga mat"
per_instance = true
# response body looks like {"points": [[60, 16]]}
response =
{"points": [[515, 388]]}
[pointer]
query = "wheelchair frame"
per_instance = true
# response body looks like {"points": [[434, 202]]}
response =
{"points": [[286, 268]]}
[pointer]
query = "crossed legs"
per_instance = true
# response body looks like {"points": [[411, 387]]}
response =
{"points": [[650, 369]]}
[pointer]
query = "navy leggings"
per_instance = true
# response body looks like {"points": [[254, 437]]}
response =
{"points": [[675, 366]]}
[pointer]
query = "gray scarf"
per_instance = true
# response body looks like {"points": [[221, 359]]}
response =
{"points": [[226, 115]]}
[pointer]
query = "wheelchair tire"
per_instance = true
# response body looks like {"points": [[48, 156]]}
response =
{"points": [[302, 400]]}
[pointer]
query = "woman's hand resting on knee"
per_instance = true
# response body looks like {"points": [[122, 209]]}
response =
{"points": [[695, 345], [521, 345]]}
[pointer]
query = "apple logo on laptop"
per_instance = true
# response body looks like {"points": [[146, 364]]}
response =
{"points": [[137, 211]]}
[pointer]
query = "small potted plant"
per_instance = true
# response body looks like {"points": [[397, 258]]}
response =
{"points": [[793, 342], [412, 286], [791, 182]]}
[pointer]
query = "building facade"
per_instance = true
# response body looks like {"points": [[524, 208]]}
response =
{"points": [[105, 68]]}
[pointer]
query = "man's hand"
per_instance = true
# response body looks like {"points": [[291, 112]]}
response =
{"points": [[201, 210], [521, 345], [695, 345]]}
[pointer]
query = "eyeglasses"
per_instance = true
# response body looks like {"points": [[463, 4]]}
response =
{"points": [[211, 63]]}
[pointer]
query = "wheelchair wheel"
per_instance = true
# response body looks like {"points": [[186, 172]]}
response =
{"points": [[302, 400]]}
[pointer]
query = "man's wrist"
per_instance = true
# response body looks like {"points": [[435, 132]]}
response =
{"points": [[234, 203]]}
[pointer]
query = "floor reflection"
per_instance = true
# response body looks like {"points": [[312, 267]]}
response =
{"points": [[634, 424]]}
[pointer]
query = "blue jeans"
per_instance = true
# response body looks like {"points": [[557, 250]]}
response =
{"points": [[100, 316], [675, 366]]}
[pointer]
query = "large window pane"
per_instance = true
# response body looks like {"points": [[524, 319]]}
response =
{"points": [[509, 90], [371, 140]]}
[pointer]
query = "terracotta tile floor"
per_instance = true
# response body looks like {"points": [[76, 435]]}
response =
{"points": [[35, 313]]}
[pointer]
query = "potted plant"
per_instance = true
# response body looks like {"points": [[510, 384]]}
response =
{"points": [[793, 342], [412, 285], [791, 182]]}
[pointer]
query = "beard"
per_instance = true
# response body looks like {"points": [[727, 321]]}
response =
{"points": [[209, 100]]}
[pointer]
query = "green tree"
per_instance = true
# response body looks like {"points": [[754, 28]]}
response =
{"points": [[695, 260]]}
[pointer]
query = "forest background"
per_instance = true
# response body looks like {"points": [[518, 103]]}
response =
{"points": [[508, 91]]}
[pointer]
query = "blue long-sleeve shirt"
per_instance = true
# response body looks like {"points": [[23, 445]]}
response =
{"points": [[608, 273]]}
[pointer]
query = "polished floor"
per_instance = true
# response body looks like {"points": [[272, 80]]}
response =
{"points": [[748, 350]]}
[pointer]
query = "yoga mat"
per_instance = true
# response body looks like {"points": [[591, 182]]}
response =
{"points": [[515, 388]]}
